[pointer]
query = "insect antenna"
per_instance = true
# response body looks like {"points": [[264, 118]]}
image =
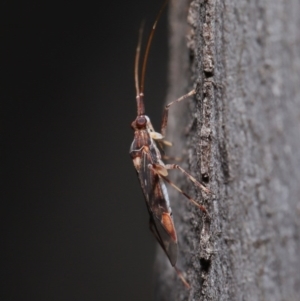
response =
{"points": [[139, 95], [140, 89]]}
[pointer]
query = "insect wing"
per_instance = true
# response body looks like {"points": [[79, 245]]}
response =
{"points": [[157, 199], [168, 244], [146, 176]]}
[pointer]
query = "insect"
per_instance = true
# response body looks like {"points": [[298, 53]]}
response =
{"points": [[151, 170]]}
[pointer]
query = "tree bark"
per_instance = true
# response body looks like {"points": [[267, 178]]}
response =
{"points": [[241, 136]]}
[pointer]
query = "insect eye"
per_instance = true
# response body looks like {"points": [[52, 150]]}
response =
{"points": [[141, 121]]}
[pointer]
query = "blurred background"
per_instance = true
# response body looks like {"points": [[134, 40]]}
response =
{"points": [[74, 222]]}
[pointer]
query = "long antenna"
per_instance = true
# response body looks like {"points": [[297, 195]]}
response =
{"points": [[148, 48], [137, 59], [139, 95]]}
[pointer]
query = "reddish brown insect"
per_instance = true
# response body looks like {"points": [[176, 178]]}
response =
{"points": [[151, 170]]}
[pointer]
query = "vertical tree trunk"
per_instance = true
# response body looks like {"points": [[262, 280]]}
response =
{"points": [[243, 139]]}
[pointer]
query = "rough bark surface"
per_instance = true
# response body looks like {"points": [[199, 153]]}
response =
{"points": [[241, 136]]}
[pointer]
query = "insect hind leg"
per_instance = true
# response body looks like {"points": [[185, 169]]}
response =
{"points": [[201, 207], [162, 172], [189, 176], [181, 277]]}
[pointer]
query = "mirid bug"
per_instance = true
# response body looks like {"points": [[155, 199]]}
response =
{"points": [[151, 170]]}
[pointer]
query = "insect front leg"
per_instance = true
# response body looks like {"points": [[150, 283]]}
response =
{"points": [[160, 138], [164, 157], [164, 121]]}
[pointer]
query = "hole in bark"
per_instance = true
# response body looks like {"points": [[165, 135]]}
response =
{"points": [[205, 178], [209, 73], [191, 56], [205, 264]]}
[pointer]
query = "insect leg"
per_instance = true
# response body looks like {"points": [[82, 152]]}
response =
{"points": [[180, 275], [190, 177], [201, 207], [159, 138], [171, 158], [162, 172], [166, 111]]}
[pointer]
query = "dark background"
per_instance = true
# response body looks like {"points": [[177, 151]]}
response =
{"points": [[74, 222]]}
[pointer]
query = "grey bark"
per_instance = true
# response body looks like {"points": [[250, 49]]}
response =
{"points": [[243, 138]]}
